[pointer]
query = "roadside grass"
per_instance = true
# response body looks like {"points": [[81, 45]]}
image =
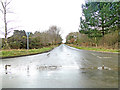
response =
{"points": [[20, 52], [96, 49]]}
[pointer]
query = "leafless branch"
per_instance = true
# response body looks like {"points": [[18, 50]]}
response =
{"points": [[1, 10], [9, 12], [13, 28], [3, 5], [8, 3], [10, 21], [9, 32]]}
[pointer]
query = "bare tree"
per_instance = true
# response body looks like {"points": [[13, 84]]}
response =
{"points": [[4, 10], [54, 31], [49, 37]]}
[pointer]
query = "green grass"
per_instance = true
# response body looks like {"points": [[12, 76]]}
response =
{"points": [[19, 52], [96, 49]]}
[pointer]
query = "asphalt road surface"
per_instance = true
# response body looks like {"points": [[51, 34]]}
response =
{"points": [[63, 67]]}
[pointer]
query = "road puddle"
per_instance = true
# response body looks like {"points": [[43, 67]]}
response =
{"points": [[45, 67], [35, 68], [97, 68]]}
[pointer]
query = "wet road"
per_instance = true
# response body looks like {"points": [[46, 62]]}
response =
{"points": [[63, 67]]}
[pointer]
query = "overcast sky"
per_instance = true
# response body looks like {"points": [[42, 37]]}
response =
{"points": [[39, 15]]}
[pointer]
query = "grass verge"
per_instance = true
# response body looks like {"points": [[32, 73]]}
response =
{"points": [[95, 49], [22, 52]]}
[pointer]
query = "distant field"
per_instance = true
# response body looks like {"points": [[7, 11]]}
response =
{"points": [[95, 49], [20, 52]]}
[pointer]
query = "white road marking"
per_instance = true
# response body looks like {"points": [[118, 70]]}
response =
{"points": [[107, 57], [103, 57], [100, 56], [93, 54]]}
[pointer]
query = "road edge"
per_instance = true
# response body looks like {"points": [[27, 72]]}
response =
{"points": [[95, 50], [26, 54]]}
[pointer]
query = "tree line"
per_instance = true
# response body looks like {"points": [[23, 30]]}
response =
{"points": [[36, 40], [99, 25], [18, 39]]}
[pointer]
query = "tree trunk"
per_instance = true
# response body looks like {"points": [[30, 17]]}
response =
{"points": [[103, 31], [96, 42], [6, 45], [103, 36]]}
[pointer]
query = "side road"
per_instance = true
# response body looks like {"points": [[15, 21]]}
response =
{"points": [[23, 52]]}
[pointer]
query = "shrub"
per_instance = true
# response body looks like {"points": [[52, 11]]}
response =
{"points": [[110, 40]]}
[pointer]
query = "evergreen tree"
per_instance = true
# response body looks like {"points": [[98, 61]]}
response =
{"points": [[99, 17]]}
